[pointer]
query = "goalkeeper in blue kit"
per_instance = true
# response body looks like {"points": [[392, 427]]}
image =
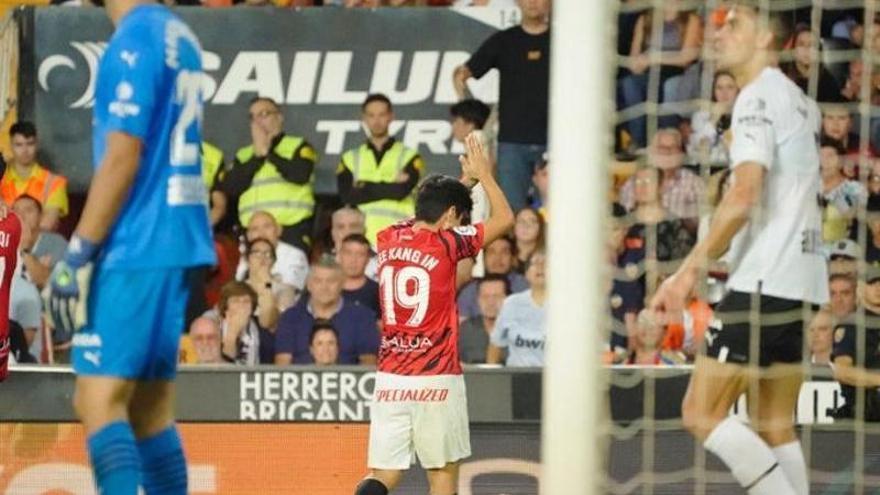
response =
{"points": [[122, 285]]}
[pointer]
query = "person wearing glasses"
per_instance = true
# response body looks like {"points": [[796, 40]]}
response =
{"points": [[275, 173]]}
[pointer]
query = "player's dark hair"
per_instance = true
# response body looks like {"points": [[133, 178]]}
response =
{"points": [[437, 194], [835, 144], [23, 128], [357, 239], [472, 111], [372, 97], [322, 324], [28, 197], [261, 240], [266, 99], [779, 22], [495, 277], [234, 289]]}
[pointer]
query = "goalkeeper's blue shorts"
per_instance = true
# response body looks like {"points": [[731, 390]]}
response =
{"points": [[135, 320]]}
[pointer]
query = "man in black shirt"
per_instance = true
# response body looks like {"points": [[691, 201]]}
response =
{"points": [[522, 56], [856, 355]]}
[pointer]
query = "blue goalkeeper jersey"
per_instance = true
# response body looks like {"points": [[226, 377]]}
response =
{"points": [[148, 86]]}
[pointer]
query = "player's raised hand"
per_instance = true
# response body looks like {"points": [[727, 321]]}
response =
{"points": [[475, 164]]}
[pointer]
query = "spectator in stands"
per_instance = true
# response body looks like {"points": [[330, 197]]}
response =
{"points": [[40, 250], [843, 257], [541, 184], [798, 70], [26, 176], [522, 56], [842, 296], [324, 344], [468, 115], [648, 350], [26, 307], [872, 243], [680, 189], [213, 172], [379, 175], [356, 326], [274, 174], [344, 222], [204, 333], [842, 198], [353, 257], [473, 337], [241, 333], [837, 125], [273, 295], [852, 87], [678, 43], [856, 354], [520, 329], [709, 141], [821, 340], [528, 234], [498, 259], [291, 265], [620, 285]]}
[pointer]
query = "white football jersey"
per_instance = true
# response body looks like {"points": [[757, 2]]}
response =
{"points": [[779, 250]]}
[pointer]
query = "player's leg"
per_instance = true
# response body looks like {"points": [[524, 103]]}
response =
{"points": [[158, 441], [442, 434], [379, 482], [778, 393], [444, 481], [152, 407], [390, 450], [106, 354], [101, 403], [713, 389]]}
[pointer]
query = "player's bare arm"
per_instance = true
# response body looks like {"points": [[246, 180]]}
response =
{"points": [[110, 186], [846, 372], [732, 213], [477, 165]]}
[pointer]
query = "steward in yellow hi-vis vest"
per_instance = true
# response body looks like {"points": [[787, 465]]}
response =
{"points": [[274, 174], [380, 175], [213, 174]]}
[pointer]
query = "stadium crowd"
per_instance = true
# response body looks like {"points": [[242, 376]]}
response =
{"points": [[295, 286]]}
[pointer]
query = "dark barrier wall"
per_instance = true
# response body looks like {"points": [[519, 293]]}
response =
{"points": [[318, 63], [342, 394]]}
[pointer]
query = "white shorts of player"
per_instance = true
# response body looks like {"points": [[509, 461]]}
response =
{"points": [[424, 416]]}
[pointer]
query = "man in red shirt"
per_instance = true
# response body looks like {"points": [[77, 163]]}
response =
{"points": [[419, 404]]}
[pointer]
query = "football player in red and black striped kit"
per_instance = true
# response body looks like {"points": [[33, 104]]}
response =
{"points": [[419, 406]]}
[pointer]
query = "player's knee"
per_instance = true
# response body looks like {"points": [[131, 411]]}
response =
{"points": [[371, 486], [693, 420]]}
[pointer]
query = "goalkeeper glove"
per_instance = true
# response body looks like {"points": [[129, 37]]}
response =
{"points": [[69, 287]]}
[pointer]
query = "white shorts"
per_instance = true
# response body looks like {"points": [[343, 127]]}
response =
{"points": [[424, 416]]}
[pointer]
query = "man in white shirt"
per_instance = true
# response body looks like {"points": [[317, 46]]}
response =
{"points": [[291, 264], [769, 221]]}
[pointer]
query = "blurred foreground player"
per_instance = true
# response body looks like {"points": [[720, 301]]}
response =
{"points": [[10, 237], [770, 221], [123, 281], [419, 406]]}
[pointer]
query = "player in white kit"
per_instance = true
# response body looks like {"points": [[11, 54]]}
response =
{"points": [[769, 224]]}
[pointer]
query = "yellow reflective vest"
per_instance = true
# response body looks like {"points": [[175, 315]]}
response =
{"points": [[269, 191], [361, 162], [212, 160]]}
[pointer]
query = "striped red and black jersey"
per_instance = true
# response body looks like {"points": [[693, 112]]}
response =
{"points": [[10, 237], [417, 270]]}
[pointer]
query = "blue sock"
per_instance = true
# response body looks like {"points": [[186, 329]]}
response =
{"points": [[163, 463], [115, 459]]}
